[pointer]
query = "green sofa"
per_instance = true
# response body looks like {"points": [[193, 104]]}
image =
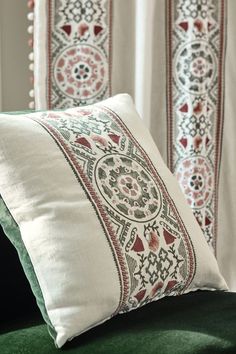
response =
{"points": [[201, 322]]}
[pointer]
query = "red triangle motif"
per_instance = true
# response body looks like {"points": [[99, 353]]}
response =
{"points": [[140, 295], [168, 237], [115, 138], [84, 142], [67, 29], [184, 142], [156, 288], [209, 25], [138, 245], [170, 285], [184, 108], [184, 25], [97, 30], [207, 221]]}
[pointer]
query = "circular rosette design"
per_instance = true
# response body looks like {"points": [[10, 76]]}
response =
{"points": [[81, 72], [196, 180], [195, 67], [127, 187]]}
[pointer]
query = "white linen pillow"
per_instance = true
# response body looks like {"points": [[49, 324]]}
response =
{"points": [[103, 225]]}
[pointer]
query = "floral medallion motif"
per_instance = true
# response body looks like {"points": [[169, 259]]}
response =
{"points": [[128, 188], [152, 250], [80, 71], [78, 57], [195, 67], [196, 34], [196, 180]]}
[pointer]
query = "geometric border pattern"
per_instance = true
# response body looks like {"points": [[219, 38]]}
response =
{"points": [[78, 52], [195, 98], [151, 247]]}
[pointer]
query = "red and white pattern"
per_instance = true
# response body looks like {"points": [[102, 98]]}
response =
{"points": [[152, 249], [196, 41], [76, 64]]}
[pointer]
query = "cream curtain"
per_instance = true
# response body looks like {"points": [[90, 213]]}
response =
{"points": [[0, 67], [176, 59], [226, 243]]}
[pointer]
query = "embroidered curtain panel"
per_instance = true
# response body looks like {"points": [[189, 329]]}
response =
{"points": [[171, 56]]}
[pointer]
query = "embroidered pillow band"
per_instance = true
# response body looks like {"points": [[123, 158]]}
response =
{"points": [[101, 220]]}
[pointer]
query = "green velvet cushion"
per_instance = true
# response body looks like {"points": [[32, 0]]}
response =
{"points": [[201, 322]]}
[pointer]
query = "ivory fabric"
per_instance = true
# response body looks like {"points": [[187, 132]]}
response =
{"points": [[226, 242], [101, 217], [139, 63]]}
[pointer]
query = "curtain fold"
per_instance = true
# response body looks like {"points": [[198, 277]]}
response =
{"points": [[171, 57], [226, 242]]}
